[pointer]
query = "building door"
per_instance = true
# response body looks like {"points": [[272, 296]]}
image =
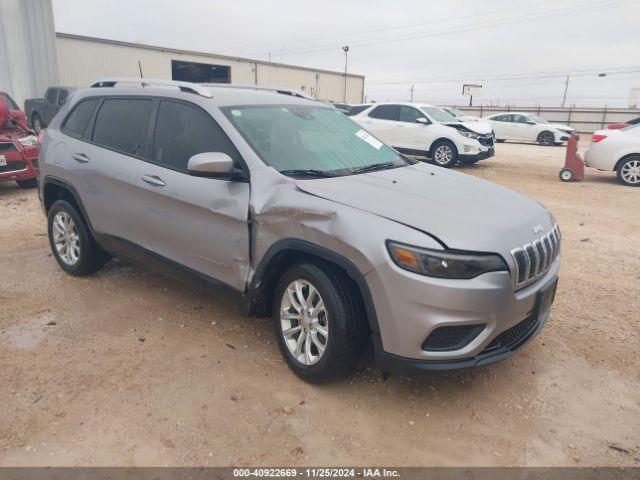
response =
{"points": [[200, 72]]}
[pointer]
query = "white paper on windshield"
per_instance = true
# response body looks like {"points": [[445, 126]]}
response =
{"points": [[374, 142]]}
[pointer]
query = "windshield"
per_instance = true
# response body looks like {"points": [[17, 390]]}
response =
{"points": [[438, 114], [455, 111], [537, 119], [311, 139]]}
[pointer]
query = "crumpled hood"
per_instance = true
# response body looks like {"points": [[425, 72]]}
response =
{"points": [[478, 126], [463, 212]]}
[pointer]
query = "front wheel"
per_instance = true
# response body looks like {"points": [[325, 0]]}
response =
{"points": [[546, 138], [444, 154], [318, 323], [629, 172], [72, 245]]}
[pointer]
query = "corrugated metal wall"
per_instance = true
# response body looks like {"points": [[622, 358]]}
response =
{"points": [[583, 119], [28, 63], [84, 60]]}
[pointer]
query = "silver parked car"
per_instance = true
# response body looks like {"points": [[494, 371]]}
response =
{"points": [[318, 224]]}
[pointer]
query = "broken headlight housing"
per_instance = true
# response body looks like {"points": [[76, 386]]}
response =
{"points": [[444, 264], [29, 141], [468, 133]]}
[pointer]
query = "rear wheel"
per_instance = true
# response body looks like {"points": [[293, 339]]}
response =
{"points": [[319, 327], [72, 245], [31, 183], [546, 138], [444, 153], [629, 171]]}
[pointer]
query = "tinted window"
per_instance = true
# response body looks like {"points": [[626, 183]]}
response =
{"points": [[62, 98], [78, 120], [183, 131], [10, 103], [51, 95], [519, 119], [502, 118], [122, 124], [386, 112], [409, 114], [357, 109]]}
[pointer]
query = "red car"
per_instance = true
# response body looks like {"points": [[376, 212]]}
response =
{"points": [[18, 145], [617, 126]]}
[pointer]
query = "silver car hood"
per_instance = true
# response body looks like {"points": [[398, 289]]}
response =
{"points": [[463, 212]]}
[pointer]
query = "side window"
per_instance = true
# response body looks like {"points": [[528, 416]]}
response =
{"points": [[50, 96], [502, 118], [62, 98], [386, 112], [78, 120], [122, 124], [410, 114], [183, 131], [519, 119], [357, 109]]}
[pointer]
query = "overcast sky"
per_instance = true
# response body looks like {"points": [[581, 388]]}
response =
{"points": [[434, 45]]}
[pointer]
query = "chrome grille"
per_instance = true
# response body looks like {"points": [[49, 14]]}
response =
{"points": [[534, 259]]}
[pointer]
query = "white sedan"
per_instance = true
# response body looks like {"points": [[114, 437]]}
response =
{"points": [[527, 127], [616, 151]]}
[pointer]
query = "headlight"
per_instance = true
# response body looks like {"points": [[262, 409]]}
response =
{"points": [[468, 134], [29, 141], [442, 264]]}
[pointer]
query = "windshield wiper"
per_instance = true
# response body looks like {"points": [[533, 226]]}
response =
{"points": [[307, 173], [374, 167]]}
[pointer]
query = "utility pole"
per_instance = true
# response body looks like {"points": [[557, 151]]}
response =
{"points": [[346, 58], [412, 87], [566, 87]]}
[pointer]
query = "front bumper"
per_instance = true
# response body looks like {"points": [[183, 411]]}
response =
{"points": [[410, 307], [488, 153], [19, 166], [561, 136]]}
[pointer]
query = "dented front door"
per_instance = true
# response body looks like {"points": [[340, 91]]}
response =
{"points": [[198, 222]]}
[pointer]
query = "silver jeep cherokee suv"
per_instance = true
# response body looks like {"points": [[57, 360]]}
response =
{"points": [[318, 224]]}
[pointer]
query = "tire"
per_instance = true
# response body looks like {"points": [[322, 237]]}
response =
{"points": [[546, 138], [31, 183], [628, 171], [342, 319], [36, 123], [567, 175], [444, 153], [82, 255]]}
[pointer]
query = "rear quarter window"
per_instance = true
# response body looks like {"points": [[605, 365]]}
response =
{"points": [[77, 122]]}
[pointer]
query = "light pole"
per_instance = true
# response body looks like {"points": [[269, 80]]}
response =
{"points": [[346, 58]]}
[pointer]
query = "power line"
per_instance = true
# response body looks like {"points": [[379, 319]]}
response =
{"points": [[477, 25]]}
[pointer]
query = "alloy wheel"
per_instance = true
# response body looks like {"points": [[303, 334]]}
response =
{"points": [[304, 322], [443, 155], [630, 172], [66, 238]]}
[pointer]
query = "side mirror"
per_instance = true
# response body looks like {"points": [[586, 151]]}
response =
{"points": [[423, 121], [214, 165]]}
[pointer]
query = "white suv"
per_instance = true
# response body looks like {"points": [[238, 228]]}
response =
{"points": [[427, 131]]}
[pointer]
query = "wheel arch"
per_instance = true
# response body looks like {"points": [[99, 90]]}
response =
{"points": [[624, 158], [258, 298], [55, 188], [442, 139]]}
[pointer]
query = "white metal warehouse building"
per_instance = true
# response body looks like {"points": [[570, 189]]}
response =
{"points": [[82, 60]]}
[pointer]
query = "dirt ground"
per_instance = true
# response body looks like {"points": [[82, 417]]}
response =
{"points": [[131, 368]]}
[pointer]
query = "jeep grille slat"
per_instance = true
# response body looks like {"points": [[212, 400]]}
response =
{"points": [[534, 259]]}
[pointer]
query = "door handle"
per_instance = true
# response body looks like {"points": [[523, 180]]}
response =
{"points": [[153, 180], [80, 158]]}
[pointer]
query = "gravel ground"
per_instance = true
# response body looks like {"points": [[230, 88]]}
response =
{"points": [[131, 368]]}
